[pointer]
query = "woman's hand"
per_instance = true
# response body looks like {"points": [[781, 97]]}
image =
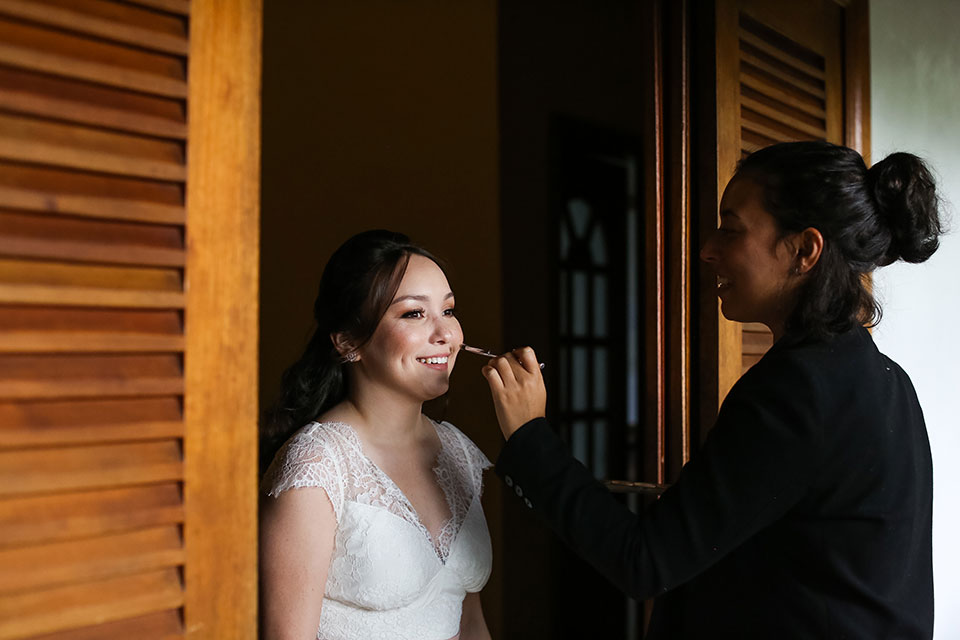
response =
{"points": [[517, 387]]}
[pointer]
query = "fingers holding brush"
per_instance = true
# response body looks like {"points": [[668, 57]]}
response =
{"points": [[516, 384]]}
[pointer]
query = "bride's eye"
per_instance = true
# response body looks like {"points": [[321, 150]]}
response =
{"points": [[415, 313], [450, 312]]}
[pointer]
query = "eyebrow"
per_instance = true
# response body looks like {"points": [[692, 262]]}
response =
{"points": [[418, 298]]}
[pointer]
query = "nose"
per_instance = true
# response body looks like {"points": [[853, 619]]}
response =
{"points": [[708, 252], [442, 331]]}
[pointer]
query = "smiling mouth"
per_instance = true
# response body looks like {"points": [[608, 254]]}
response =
{"points": [[435, 360]]}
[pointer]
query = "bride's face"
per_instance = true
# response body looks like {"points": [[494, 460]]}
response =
{"points": [[414, 347]]}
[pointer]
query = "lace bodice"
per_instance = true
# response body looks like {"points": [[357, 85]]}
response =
{"points": [[388, 576]]}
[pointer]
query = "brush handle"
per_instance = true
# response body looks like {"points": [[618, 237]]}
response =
{"points": [[488, 354]]}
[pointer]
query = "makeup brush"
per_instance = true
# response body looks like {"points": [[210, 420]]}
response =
{"points": [[484, 352]]}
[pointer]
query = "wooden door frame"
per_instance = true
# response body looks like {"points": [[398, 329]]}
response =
{"points": [[221, 324], [719, 357]]}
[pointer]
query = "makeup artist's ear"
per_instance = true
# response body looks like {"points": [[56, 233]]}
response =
{"points": [[809, 246], [344, 347]]}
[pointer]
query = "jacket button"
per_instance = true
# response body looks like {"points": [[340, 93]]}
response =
{"points": [[518, 491], [508, 480], [526, 501]]}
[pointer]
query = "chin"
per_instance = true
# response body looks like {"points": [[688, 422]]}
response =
{"points": [[734, 314], [434, 393], [729, 314]]}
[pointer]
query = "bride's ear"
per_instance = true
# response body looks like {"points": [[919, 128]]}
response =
{"points": [[344, 347]]}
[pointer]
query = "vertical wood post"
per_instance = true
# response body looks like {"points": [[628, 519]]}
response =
{"points": [[221, 406]]}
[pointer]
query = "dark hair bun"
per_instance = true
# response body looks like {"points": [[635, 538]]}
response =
{"points": [[907, 203]]}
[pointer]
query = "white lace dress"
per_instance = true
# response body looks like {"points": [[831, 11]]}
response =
{"points": [[388, 577]]}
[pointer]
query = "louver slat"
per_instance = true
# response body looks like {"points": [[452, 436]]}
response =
{"points": [[55, 564], [34, 519], [165, 625], [25, 614], [94, 467], [108, 20], [31, 47]]}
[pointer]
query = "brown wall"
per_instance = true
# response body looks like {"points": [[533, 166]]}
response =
{"points": [[384, 115]]}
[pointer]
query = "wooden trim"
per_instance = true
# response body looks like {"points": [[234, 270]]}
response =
{"points": [[856, 84], [728, 154], [857, 77], [654, 268], [221, 399], [704, 198], [833, 53], [679, 252]]}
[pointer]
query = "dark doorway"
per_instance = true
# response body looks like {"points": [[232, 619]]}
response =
{"points": [[596, 227], [573, 103]]}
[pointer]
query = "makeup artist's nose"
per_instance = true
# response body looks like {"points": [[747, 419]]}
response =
{"points": [[708, 253]]}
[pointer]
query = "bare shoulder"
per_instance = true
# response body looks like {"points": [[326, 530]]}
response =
{"points": [[307, 506]]}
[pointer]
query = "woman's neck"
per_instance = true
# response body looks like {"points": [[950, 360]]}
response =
{"points": [[386, 416], [778, 330]]}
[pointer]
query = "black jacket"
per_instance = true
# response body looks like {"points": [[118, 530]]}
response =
{"points": [[806, 514]]}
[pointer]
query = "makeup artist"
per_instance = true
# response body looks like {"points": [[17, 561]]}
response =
{"points": [[807, 512]]}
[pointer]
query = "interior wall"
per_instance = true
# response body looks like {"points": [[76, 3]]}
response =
{"points": [[384, 115], [915, 99]]}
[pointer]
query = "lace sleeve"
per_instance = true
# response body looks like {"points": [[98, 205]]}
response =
{"points": [[477, 456], [474, 457], [307, 460]]}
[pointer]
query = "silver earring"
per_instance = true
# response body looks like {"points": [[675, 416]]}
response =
{"points": [[353, 356]]}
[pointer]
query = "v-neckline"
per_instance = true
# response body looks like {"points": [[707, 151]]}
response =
{"points": [[431, 538]]}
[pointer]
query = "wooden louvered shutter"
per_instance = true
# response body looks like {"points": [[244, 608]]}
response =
{"points": [[111, 469], [785, 72]]}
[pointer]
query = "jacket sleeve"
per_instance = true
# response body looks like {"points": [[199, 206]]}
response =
{"points": [[755, 465]]}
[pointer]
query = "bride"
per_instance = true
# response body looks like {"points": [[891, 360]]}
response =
{"points": [[384, 535]]}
